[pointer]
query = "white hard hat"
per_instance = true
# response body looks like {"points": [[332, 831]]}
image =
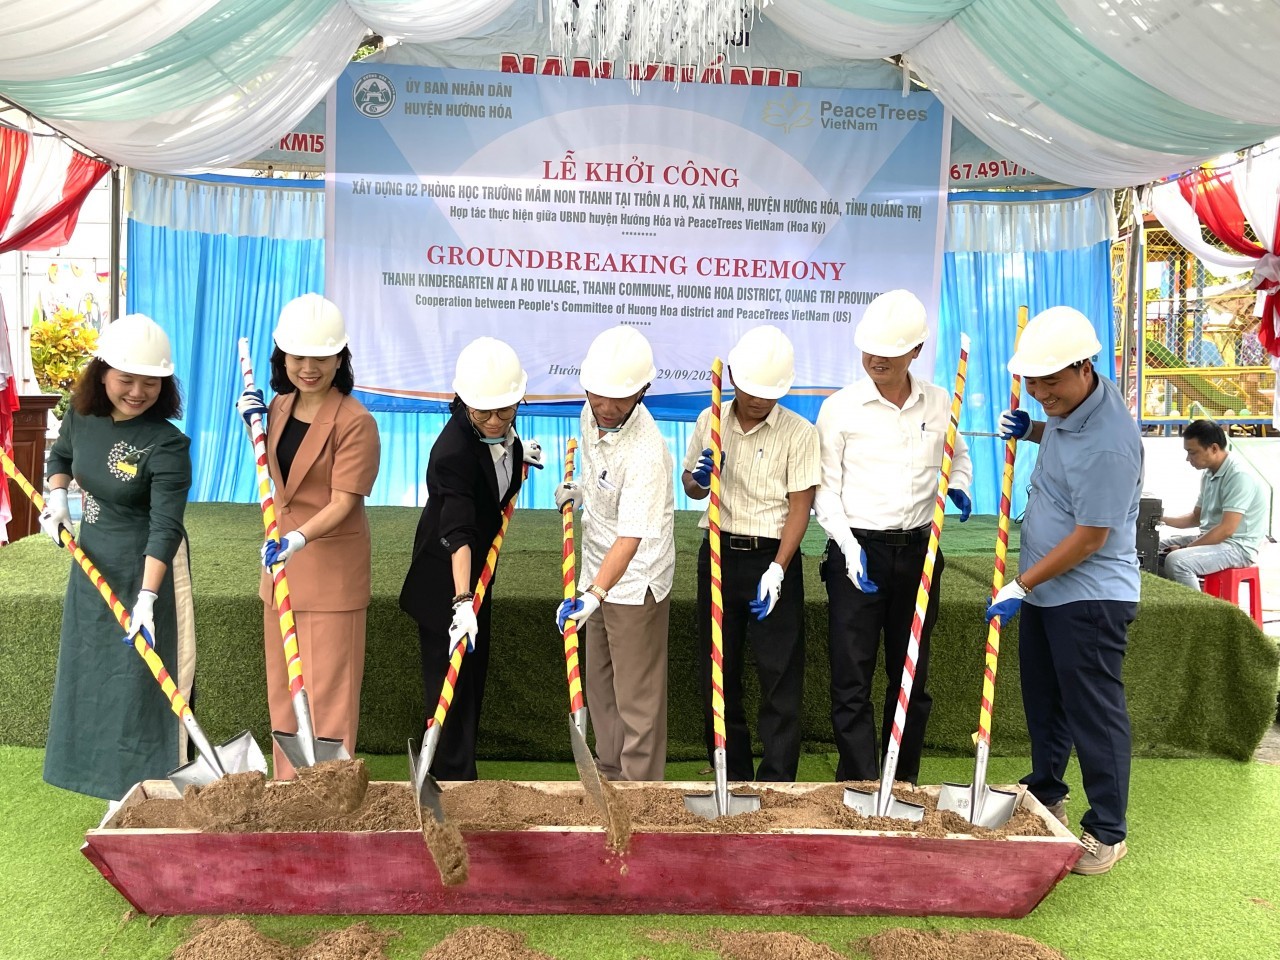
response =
{"points": [[1054, 340], [619, 363], [136, 344], [311, 326], [895, 323], [763, 363], [488, 375]]}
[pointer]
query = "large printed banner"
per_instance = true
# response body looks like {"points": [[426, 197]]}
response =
{"points": [[542, 210]]}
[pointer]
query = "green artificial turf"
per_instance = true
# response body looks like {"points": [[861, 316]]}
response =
{"points": [[1201, 677], [1201, 882]]}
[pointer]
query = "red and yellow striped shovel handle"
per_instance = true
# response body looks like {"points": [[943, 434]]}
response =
{"points": [[279, 580], [177, 703], [490, 564], [717, 595], [569, 575], [1002, 549]]}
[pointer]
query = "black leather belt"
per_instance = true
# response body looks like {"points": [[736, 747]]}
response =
{"points": [[895, 538], [734, 541]]}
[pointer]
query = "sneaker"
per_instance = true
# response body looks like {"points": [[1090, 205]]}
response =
{"points": [[1098, 857], [1059, 812]]}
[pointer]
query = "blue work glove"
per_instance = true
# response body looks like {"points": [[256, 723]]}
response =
{"points": [[767, 592], [251, 402], [278, 551], [855, 564], [962, 501], [533, 454], [1014, 424], [463, 627], [702, 470], [1006, 603], [577, 610]]}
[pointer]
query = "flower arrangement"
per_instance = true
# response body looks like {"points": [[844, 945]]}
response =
{"points": [[61, 343]]}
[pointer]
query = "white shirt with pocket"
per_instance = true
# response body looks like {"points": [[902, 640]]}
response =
{"points": [[627, 479], [879, 462]]}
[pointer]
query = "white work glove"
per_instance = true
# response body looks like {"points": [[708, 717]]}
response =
{"points": [[1014, 424], [577, 610], [278, 551], [55, 516], [701, 472], [768, 591], [141, 618], [533, 455], [463, 626], [570, 492], [251, 402], [855, 564]]}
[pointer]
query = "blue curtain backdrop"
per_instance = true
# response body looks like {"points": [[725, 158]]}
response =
{"points": [[213, 259]]}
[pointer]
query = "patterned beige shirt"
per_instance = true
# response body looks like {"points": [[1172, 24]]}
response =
{"points": [[776, 457], [627, 479]]}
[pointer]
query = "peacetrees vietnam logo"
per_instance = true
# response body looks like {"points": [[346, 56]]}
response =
{"points": [[787, 113], [374, 95]]}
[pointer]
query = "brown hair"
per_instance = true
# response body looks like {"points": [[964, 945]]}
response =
{"points": [[89, 396]]}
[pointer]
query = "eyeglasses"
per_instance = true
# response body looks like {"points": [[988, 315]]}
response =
{"points": [[506, 414]]}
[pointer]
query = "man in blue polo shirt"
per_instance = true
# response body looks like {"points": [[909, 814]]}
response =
{"points": [[1077, 584], [1231, 512]]}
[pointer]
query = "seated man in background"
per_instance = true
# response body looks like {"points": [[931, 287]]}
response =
{"points": [[1231, 511]]}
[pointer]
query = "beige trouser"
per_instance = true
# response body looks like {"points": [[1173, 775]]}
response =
{"points": [[626, 668], [331, 645]]}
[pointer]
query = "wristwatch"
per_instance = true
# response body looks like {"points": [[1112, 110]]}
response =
{"points": [[600, 593]]}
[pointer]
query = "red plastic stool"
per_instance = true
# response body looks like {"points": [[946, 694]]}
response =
{"points": [[1225, 585]]}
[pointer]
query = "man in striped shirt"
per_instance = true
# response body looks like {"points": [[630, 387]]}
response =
{"points": [[768, 476]]}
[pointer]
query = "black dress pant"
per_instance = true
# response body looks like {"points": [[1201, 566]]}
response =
{"points": [[856, 622], [1070, 658], [455, 757], [777, 642]]}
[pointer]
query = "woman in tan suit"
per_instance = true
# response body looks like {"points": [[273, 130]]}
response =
{"points": [[323, 450]]}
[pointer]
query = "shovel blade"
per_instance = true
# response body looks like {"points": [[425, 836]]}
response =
{"points": [[588, 772], [240, 754], [986, 807], [879, 805], [426, 789], [707, 805], [301, 753]]}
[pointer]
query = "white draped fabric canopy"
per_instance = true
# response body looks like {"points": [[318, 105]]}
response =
{"points": [[1086, 92]]}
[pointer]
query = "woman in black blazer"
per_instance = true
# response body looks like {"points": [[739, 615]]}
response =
{"points": [[475, 469]]}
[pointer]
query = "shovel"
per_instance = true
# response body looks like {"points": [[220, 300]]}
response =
{"points": [[588, 769], [883, 803], [720, 802], [304, 748], [240, 754], [426, 789], [977, 802]]}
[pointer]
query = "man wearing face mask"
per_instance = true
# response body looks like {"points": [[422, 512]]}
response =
{"points": [[474, 471], [628, 557], [767, 480], [1077, 585], [881, 442]]}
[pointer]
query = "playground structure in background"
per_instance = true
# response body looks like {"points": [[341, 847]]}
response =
{"points": [[1197, 354]]}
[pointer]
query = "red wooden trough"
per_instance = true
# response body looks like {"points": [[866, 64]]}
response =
{"points": [[569, 870]]}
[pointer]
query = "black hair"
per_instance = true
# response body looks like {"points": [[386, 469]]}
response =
{"points": [[1206, 433], [344, 380], [89, 395]]}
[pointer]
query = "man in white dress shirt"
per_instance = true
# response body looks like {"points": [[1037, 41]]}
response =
{"points": [[881, 442], [628, 557]]}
